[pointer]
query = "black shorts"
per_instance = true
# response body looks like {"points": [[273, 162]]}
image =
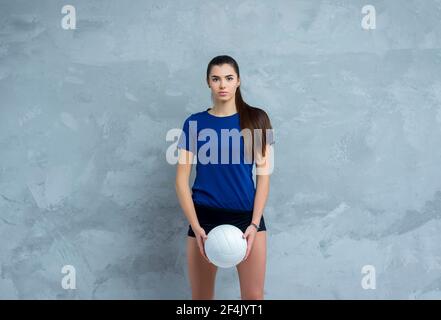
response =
{"points": [[210, 217]]}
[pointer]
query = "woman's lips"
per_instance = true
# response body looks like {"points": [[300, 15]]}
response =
{"points": [[222, 93]]}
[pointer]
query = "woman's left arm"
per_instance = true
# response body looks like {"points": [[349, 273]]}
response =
{"points": [[263, 172]]}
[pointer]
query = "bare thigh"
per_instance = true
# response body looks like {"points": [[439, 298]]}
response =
{"points": [[202, 274], [252, 270]]}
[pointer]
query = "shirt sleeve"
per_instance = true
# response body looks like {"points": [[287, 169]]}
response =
{"points": [[187, 139]]}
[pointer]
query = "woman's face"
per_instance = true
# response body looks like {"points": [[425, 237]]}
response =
{"points": [[223, 82]]}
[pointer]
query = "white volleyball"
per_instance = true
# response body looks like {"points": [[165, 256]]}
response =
{"points": [[225, 247]]}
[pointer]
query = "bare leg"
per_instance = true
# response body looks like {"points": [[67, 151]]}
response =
{"points": [[252, 270], [202, 274]]}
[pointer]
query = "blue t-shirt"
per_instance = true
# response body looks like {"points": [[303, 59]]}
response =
{"points": [[228, 183]]}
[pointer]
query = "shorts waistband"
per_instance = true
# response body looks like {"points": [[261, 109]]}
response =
{"points": [[216, 209]]}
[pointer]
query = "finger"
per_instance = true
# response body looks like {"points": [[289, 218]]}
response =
{"points": [[201, 246], [204, 238], [203, 253], [250, 245], [198, 240], [246, 254]]}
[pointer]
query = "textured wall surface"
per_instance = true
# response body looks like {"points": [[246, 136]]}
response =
{"points": [[84, 115]]}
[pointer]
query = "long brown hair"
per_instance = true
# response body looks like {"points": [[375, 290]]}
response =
{"points": [[250, 117]]}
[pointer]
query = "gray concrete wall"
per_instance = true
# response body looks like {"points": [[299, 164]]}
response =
{"points": [[83, 119]]}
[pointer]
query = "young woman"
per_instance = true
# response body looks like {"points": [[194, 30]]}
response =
{"points": [[224, 193]]}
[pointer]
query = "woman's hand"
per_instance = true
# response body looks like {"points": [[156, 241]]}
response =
{"points": [[200, 238], [249, 235]]}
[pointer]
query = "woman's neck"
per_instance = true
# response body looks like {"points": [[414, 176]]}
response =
{"points": [[225, 109]]}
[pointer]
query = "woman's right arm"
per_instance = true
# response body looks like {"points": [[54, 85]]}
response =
{"points": [[185, 160], [183, 192]]}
